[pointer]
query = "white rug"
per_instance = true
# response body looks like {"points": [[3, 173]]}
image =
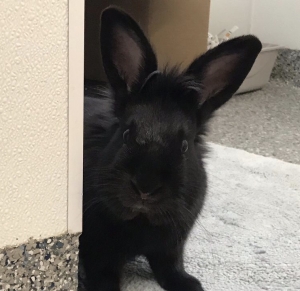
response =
{"points": [[248, 236]]}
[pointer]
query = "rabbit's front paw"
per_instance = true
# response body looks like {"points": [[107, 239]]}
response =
{"points": [[180, 281]]}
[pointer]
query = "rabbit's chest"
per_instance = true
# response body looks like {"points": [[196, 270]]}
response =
{"points": [[140, 240]]}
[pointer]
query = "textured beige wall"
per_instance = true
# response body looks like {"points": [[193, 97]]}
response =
{"points": [[33, 119]]}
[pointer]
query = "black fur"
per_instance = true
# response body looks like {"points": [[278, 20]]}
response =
{"points": [[142, 195]]}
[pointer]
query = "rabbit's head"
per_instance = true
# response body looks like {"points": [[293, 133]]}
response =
{"points": [[155, 161]]}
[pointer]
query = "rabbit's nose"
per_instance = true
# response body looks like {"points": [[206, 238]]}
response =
{"points": [[144, 192]]}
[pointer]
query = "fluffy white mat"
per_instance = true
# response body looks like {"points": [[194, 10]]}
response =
{"points": [[248, 236]]}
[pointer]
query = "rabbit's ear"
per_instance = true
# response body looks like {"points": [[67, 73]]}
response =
{"points": [[126, 53], [222, 70]]}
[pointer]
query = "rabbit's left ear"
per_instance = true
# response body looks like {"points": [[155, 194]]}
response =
{"points": [[222, 70], [126, 53]]}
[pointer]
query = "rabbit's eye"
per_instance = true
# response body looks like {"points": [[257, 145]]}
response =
{"points": [[184, 146], [126, 136]]}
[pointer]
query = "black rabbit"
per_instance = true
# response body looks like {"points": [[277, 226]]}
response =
{"points": [[144, 178]]}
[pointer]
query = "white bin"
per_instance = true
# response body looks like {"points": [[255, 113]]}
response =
{"points": [[261, 70]]}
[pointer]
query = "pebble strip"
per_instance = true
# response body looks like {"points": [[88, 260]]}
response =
{"points": [[287, 67], [50, 264]]}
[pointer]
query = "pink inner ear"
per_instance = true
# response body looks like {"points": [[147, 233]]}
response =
{"points": [[127, 56], [218, 74]]}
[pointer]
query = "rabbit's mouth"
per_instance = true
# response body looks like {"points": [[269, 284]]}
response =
{"points": [[141, 207], [142, 203], [138, 205], [147, 197]]}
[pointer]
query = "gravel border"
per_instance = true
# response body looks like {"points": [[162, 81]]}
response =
{"points": [[287, 67], [48, 264]]}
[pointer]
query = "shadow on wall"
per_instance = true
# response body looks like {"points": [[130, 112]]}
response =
{"points": [[92, 58], [177, 31]]}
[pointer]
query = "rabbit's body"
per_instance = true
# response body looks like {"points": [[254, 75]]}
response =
{"points": [[121, 234], [144, 176]]}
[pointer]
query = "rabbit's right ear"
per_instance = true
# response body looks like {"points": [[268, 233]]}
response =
{"points": [[126, 53], [221, 71]]}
